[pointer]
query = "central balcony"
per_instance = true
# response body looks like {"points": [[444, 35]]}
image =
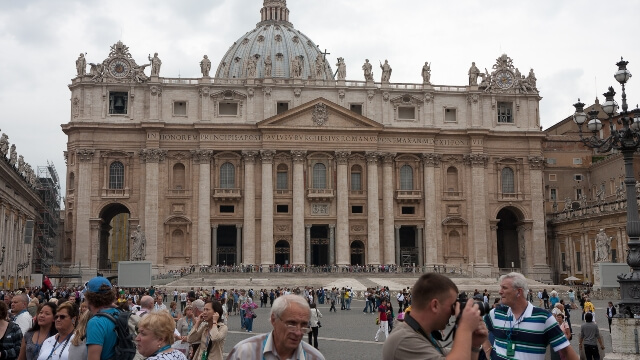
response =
{"points": [[320, 194], [226, 194], [408, 196]]}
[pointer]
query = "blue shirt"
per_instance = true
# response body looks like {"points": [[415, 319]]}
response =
{"points": [[100, 331]]}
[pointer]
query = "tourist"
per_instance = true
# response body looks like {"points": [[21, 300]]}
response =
{"points": [[212, 335], [159, 305], [186, 322], [589, 308], [19, 311], [611, 312], [10, 336], [155, 336], [248, 306], [383, 324], [101, 336], [314, 323], [173, 311], [57, 346], [589, 334], [78, 345], [289, 318], [42, 329]]}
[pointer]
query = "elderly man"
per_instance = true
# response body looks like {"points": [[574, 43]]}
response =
{"points": [[146, 305], [290, 316], [19, 311], [159, 305]]}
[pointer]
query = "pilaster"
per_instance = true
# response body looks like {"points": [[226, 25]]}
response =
{"points": [[342, 208], [479, 225], [373, 218], [430, 162], [266, 221], [249, 225], [205, 248], [83, 206], [388, 215], [151, 158], [298, 246]]}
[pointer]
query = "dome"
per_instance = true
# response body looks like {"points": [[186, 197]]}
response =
{"points": [[274, 40]]}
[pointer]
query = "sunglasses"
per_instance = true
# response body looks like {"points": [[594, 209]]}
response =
{"points": [[61, 317]]}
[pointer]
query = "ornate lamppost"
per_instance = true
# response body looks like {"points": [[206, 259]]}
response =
{"points": [[624, 137]]}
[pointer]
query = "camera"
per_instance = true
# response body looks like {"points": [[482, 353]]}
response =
{"points": [[462, 300]]}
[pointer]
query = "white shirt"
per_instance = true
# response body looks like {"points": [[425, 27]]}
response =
{"points": [[160, 307], [24, 320], [57, 350]]}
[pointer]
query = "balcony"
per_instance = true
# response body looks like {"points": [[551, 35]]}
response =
{"points": [[408, 196], [320, 194], [509, 196], [227, 194], [115, 193], [283, 192], [358, 193], [178, 193]]}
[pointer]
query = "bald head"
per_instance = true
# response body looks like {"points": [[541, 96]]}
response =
{"points": [[146, 302]]}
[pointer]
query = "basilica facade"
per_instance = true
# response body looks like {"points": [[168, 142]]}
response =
{"points": [[272, 158]]}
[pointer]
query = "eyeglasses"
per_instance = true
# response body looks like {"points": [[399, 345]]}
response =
{"points": [[61, 317], [293, 328]]}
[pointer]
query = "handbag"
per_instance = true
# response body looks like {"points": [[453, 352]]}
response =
{"points": [[253, 316], [319, 324]]}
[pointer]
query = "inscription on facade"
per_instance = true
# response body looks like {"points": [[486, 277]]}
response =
{"points": [[320, 209]]}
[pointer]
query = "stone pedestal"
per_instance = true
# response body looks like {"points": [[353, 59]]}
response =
{"points": [[624, 334], [597, 280]]}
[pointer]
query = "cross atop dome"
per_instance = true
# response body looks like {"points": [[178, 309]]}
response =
{"points": [[274, 10]]}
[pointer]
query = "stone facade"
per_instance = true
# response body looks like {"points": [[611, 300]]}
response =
{"points": [[271, 167]]}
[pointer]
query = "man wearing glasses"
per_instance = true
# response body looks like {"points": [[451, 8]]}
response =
{"points": [[290, 316]]}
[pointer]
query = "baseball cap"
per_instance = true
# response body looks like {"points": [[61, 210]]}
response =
{"points": [[96, 284]]}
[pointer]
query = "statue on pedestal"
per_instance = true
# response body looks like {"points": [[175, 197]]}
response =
{"points": [[155, 64], [267, 66], [426, 73], [205, 66], [4, 145], [13, 157], [251, 68], [368, 73], [386, 71], [603, 246], [139, 244], [342, 69], [81, 65], [473, 74]]}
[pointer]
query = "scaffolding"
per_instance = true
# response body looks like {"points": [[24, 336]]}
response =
{"points": [[46, 239]]}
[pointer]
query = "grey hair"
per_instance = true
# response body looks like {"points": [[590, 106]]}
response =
{"points": [[283, 302], [23, 297], [519, 281]]}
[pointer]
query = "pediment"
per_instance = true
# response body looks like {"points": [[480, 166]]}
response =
{"points": [[320, 114]]}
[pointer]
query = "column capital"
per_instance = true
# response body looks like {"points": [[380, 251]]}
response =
{"points": [[152, 155], [387, 157], [298, 155], [372, 157], [332, 226], [85, 154], [431, 159], [308, 227], [420, 227], [267, 156], [238, 226], [342, 156], [476, 159], [214, 226], [397, 227], [249, 156], [202, 156], [536, 162]]}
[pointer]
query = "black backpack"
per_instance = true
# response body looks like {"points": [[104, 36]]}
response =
{"points": [[125, 348]]}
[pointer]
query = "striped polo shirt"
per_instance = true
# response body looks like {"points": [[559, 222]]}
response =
{"points": [[531, 333]]}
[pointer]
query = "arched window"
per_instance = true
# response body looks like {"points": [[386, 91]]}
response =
{"points": [[452, 179], [227, 176], [406, 177], [178, 176], [282, 177], [116, 175], [356, 178], [508, 186], [319, 176], [177, 243]]}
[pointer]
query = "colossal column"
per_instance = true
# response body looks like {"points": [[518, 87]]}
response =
{"points": [[214, 244], [266, 221], [332, 244], [83, 206], [373, 218], [307, 250], [478, 163], [298, 246], [151, 157], [396, 240], [238, 258], [249, 225], [390, 247], [430, 162], [342, 209], [539, 246], [203, 157]]}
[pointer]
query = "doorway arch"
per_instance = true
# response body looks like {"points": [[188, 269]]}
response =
{"points": [[283, 251], [357, 253], [113, 236], [508, 247]]}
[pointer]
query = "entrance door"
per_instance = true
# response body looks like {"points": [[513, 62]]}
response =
{"points": [[408, 249], [319, 245], [226, 249], [508, 252], [283, 251], [357, 253]]}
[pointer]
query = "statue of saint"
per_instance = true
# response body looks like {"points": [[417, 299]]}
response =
{"points": [[20, 164], [205, 66], [603, 246], [81, 65], [532, 80], [319, 67], [155, 64], [473, 74], [251, 68], [368, 73], [296, 67], [267, 66], [342, 69], [4, 145], [426, 73], [139, 244], [13, 157], [386, 71]]}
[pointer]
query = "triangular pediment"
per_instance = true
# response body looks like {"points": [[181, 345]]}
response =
{"points": [[320, 114]]}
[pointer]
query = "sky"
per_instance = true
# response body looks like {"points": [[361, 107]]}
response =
{"points": [[571, 45]]}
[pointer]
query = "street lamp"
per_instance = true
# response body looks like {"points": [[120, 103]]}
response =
{"points": [[626, 139]]}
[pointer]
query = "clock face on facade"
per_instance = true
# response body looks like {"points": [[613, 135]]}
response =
{"points": [[504, 79], [119, 68]]}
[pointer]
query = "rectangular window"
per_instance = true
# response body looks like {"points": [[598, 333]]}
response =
{"points": [[553, 194], [408, 210], [551, 161], [577, 161], [282, 209], [553, 177], [118, 102], [406, 113], [282, 107], [228, 109], [356, 108], [357, 209], [450, 115], [356, 181], [577, 177], [505, 113], [227, 209], [578, 262], [578, 194], [179, 108], [281, 181]]}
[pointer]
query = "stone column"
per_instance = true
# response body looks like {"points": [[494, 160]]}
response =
{"points": [[151, 157], [430, 162], [478, 231], [155, 105], [238, 244], [298, 246], [538, 254], [307, 245], [203, 234], [214, 244], [390, 256], [397, 244], [373, 218], [494, 243], [83, 206], [249, 198], [420, 240], [266, 220], [342, 208], [332, 244]]}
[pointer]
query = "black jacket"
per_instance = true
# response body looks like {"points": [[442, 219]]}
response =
{"points": [[10, 343]]}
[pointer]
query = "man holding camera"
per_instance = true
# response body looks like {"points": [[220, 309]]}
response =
{"points": [[434, 301], [521, 330]]}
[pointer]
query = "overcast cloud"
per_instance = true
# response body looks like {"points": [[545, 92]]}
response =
{"points": [[572, 46]]}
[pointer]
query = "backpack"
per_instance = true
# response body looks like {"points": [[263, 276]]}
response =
{"points": [[125, 348]]}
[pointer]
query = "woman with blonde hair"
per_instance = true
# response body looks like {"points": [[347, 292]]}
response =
{"points": [[78, 346], [155, 336], [211, 336]]}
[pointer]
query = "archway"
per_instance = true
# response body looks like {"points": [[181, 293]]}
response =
{"points": [[283, 251], [114, 236], [507, 240], [408, 248], [357, 253]]}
